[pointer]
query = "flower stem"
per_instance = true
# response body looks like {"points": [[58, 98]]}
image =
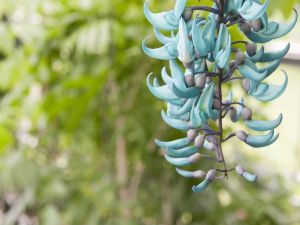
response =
{"points": [[220, 79], [220, 124]]}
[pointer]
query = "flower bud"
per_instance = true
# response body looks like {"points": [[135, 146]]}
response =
{"points": [[189, 80], [192, 134], [245, 27], [246, 113], [241, 135], [212, 139], [256, 25], [240, 58], [233, 114], [251, 49], [211, 174], [201, 81], [208, 80], [246, 84], [194, 158], [245, 174], [187, 14], [188, 65], [216, 104], [239, 169], [198, 174], [199, 141]]}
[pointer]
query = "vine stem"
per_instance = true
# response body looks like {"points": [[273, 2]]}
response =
{"points": [[220, 123], [220, 96]]}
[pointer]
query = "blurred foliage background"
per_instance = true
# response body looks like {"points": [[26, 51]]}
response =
{"points": [[77, 125]]}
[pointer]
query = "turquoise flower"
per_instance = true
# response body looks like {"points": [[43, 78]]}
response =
{"points": [[202, 58]]}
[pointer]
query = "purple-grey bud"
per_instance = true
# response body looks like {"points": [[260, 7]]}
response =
{"points": [[208, 80], [246, 84], [194, 158], [201, 81], [241, 135], [239, 169], [245, 27], [233, 114], [240, 58], [199, 141], [251, 49], [216, 104], [198, 174], [211, 174], [256, 25], [192, 134], [188, 65], [246, 113], [212, 139], [187, 14], [189, 80]]}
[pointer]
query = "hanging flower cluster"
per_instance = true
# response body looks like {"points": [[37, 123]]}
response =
{"points": [[203, 47]]}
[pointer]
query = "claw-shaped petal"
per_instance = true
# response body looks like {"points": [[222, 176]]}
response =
{"points": [[184, 46], [195, 174], [210, 176], [181, 153], [258, 56], [269, 56], [196, 118], [162, 38], [274, 91], [183, 161], [249, 176], [166, 52], [179, 7], [258, 141], [200, 44], [260, 90], [177, 74], [166, 77], [222, 49], [252, 10], [251, 73], [206, 102], [172, 109], [176, 144], [270, 68], [261, 125], [162, 92], [186, 92], [273, 139], [271, 28], [209, 34], [185, 108], [161, 20], [175, 123], [286, 28], [282, 30], [202, 186]]}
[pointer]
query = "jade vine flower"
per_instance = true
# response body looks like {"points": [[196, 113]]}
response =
{"points": [[202, 58]]}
